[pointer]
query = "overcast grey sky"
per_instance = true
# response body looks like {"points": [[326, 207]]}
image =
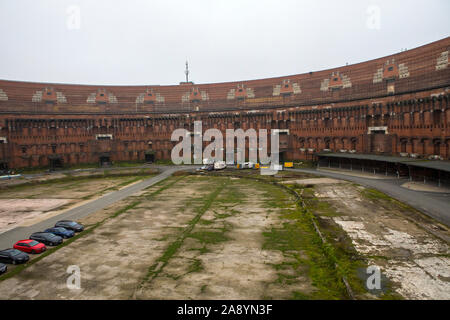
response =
{"points": [[147, 42]]}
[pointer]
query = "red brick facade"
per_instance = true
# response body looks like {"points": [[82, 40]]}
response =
{"points": [[392, 105]]}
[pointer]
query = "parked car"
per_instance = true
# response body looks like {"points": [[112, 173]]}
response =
{"points": [[219, 165], [62, 232], [71, 225], [13, 256], [47, 238], [3, 268], [203, 167], [248, 165], [30, 246]]}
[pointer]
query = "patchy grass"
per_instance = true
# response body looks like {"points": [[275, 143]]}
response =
{"points": [[127, 182], [74, 179], [347, 257], [205, 222], [298, 235], [173, 247], [125, 209], [298, 241], [374, 194], [115, 188], [294, 236], [412, 214], [164, 162], [208, 237], [195, 266], [232, 195], [90, 165], [319, 207], [339, 245], [88, 230], [166, 186], [305, 164], [327, 264], [382, 198], [41, 256], [128, 164]]}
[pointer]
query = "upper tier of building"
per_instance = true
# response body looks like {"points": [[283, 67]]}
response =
{"points": [[419, 69]]}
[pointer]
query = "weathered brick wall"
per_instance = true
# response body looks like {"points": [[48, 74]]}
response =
{"points": [[332, 109], [32, 138]]}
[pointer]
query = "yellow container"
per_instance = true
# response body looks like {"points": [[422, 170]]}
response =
{"points": [[238, 166], [256, 165], [288, 164]]}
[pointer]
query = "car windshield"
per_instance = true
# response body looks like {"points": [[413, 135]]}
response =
{"points": [[68, 223], [14, 252], [33, 243], [58, 229]]}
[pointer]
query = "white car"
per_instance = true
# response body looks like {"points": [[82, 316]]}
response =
{"points": [[219, 165], [247, 165]]}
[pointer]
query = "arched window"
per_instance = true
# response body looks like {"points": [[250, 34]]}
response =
{"points": [[353, 144], [437, 147], [403, 145]]}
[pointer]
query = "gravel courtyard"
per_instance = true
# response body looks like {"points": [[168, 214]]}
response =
{"points": [[230, 237]]}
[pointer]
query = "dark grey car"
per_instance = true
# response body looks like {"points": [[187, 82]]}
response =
{"points": [[13, 256], [47, 238]]}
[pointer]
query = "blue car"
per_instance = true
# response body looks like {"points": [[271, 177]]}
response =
{"points": [[3, 268], [62, 232], [70, 225]]}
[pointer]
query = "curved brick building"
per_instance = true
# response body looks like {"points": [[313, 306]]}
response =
{"points": [[394, 106]]}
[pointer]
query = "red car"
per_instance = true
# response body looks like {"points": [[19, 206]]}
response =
{"points": [[30, 246]]}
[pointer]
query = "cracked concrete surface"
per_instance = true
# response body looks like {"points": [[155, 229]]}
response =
{"points": [[415, 261]]}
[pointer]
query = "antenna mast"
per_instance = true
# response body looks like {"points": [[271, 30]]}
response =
{"points": [[186, 72]]}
